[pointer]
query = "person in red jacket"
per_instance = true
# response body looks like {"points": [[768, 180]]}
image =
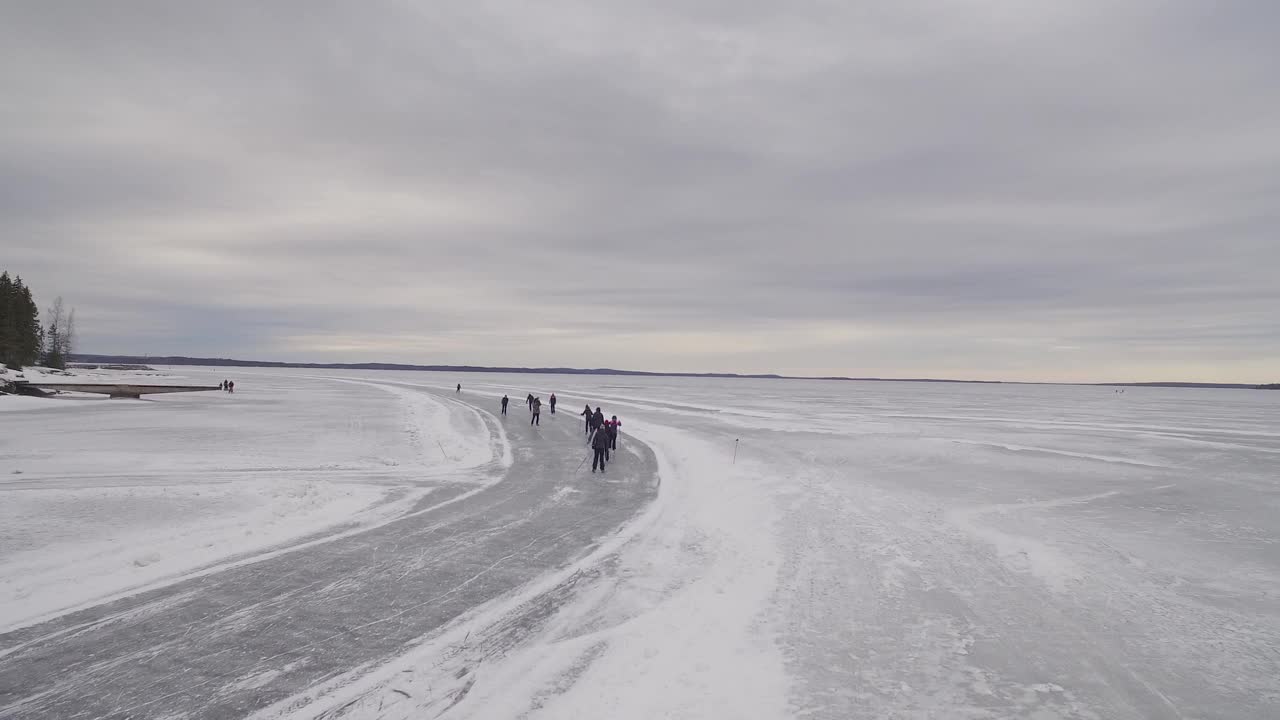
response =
{"points": [[614, 425]]}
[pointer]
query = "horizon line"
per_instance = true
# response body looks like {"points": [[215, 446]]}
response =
{"points": [[233, 362]]}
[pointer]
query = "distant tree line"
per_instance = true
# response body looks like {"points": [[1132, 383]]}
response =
{"points": [[23, 340]]}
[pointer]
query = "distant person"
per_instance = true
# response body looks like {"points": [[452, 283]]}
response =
{"points": [[614, 424], [505, 400], [586, 423], [597, 419], [224, 386], [553, 403], [231, 386], [529, 401], [537, 412], [459, 390], [600, 448]]}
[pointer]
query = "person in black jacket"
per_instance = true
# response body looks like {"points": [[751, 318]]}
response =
{"points": [[535, 419], [553, 403], [600, 448], [586, 423], [505, 400]]}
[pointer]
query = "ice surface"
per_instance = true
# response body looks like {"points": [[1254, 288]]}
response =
{"points": [[100, 496], [877, 549]]}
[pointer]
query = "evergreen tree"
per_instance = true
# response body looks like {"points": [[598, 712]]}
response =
{"points": [[22, 340], [30, 331], [6, 322]]}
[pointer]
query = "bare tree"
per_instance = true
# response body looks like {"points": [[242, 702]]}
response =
{"points": [[58, 335], [69, 335]]}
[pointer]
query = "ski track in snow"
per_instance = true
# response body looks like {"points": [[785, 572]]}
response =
{"points": [[253, 631], [877, 550]]}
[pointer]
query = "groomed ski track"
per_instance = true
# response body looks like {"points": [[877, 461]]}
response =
{"points": [[229, 642]]}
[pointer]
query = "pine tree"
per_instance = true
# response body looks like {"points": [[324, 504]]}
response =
{"points": [[22, 340], [8, 324], [31, 331]]}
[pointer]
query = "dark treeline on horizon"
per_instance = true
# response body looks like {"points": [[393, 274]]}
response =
{"points": [[227, 362]]}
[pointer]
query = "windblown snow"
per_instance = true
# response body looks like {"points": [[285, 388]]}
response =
{"points": [[377, 545]]}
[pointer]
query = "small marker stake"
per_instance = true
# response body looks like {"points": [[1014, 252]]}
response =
{"points": [[735, 452]]}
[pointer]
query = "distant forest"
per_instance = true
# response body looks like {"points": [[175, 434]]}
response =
{"points": [[226, 362], [23, 339]]}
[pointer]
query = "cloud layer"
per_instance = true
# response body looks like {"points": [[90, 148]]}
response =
{"points": [[996, 189]]}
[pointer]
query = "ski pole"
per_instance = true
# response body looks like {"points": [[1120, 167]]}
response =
{"points": [[735, 452], [584, 462]]}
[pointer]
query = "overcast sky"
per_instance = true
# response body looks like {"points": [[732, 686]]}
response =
{"points": [[998, 189]]}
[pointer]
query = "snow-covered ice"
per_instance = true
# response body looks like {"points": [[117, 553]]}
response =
{"points": [[102, 496], [877, 550]]}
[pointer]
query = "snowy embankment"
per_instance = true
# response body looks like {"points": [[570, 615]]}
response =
{"points": [[66, 547], [99, 497]]}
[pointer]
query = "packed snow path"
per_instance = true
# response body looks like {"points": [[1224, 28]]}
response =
{"points": [[228, 643]]}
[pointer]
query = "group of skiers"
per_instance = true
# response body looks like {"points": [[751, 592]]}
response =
{"points": [[535, 407], [602, 434], [228, 386]]}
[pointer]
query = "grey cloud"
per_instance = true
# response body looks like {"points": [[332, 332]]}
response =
{"points": [[707, 186]]}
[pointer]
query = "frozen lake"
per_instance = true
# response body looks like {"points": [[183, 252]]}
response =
{"points": [[375, 545]]}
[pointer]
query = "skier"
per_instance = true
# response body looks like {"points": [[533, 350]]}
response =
{"points": [[505, 400], [537, 412], [553, 403], [597, 419], [586, 425], [600, 448], [459, 390], [614, 424], [529, 400]]}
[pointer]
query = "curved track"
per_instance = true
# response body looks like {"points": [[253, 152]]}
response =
{"points": [[226, 644]]}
